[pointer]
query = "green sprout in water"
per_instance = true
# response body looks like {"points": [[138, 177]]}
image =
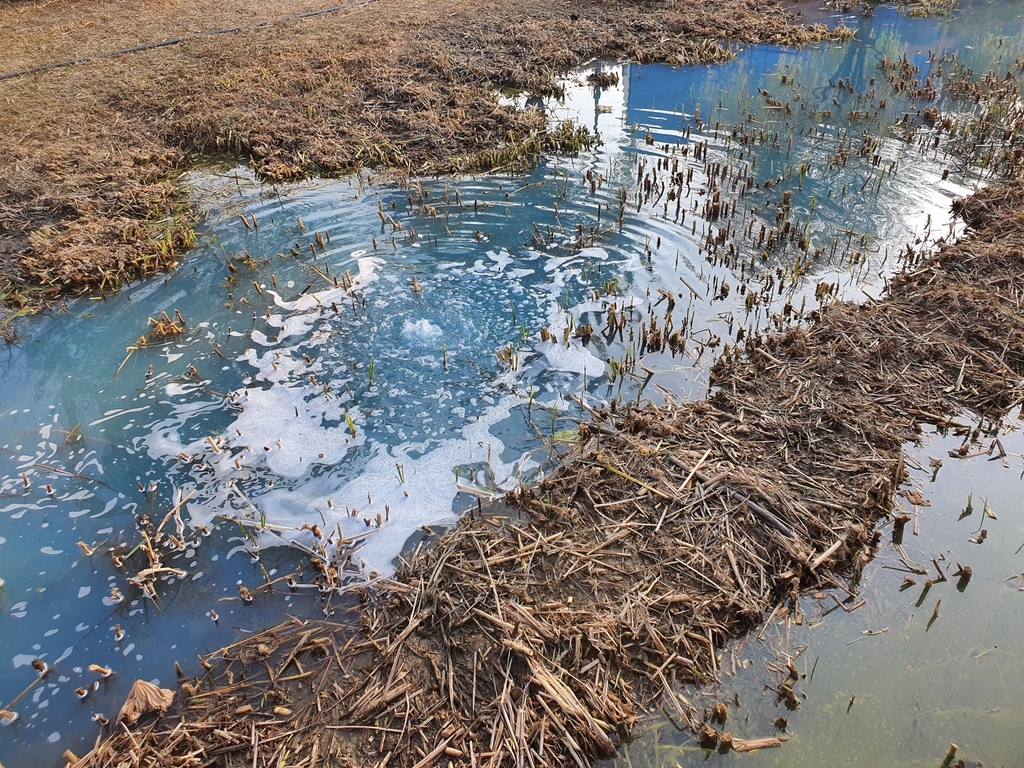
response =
{"points": [[969, 509]]}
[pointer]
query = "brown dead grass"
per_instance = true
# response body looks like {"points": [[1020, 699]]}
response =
{"points": [[90, 156], [39, 33]]}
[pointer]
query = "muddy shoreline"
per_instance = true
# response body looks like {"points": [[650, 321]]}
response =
{"points": [[541, 641], [91, 155]]}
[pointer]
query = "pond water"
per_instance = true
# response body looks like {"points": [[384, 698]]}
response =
{"points": [[372, 358]]}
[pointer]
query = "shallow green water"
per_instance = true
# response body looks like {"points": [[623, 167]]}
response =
{"points": [[918, 687], [290, 400]]}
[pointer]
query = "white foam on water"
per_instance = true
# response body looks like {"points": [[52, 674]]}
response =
{"points": [[421, 331], [569, 355], [519, 272], [113, 414], [501, 259], [572, 357], [283, 426], [164, 439], [424, 498], [296, 442], [593, 252], [266, 419], [368, 266]]}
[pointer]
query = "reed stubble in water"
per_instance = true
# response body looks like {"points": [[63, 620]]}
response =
{"points": [[668, 530]]}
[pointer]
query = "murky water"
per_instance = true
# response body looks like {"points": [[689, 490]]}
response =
{"points": [[369, 380]]}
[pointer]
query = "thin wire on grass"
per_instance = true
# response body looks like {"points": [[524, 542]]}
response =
{"points": [[176, 41]]}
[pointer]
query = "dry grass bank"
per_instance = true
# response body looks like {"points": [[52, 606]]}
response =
{"points": [[90, 155]]}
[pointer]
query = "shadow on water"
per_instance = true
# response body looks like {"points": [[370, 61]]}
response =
{"points": [[371, 358]]}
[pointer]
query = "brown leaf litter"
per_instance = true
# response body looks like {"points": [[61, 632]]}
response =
{"points": [[144, 698]]}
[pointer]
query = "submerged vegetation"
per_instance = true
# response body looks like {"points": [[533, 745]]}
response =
{"points": [[924, 9]]}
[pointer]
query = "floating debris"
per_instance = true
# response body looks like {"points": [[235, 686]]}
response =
{"points": [[103, 672], [143, 698], [603, 79]]}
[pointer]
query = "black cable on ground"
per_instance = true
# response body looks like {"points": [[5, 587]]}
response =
{"points": [[177, 41]]}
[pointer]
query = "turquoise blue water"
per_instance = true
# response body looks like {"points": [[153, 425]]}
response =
{"points": [[371, 380]]}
